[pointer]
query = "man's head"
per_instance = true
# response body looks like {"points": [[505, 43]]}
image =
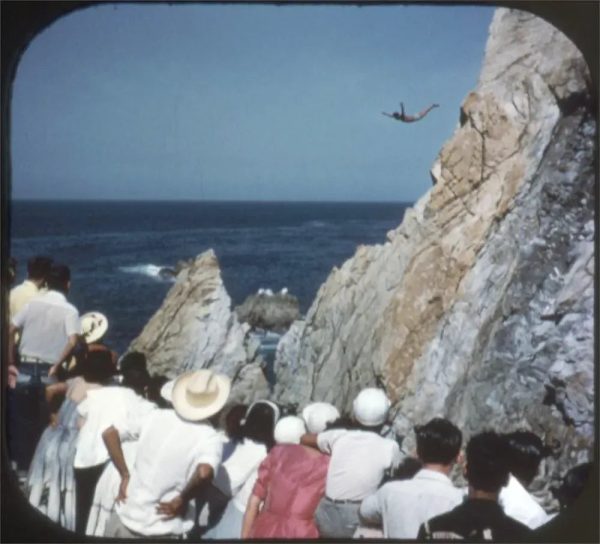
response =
{"points": [[370, 408], [97, 366], [38, 268], [525, 453], [438, 442], [134, 371], [487, 467], [200, 395], [59, 278]]}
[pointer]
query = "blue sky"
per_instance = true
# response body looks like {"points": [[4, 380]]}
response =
{"points": [[241, 102]]}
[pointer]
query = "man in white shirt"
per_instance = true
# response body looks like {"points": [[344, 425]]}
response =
{"points": [[37, 270], [526, 452], [401, 506], [179, 451], [360, 458], [48, 329]]}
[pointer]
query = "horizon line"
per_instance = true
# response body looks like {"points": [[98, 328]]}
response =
{"points": [[210, 201]]}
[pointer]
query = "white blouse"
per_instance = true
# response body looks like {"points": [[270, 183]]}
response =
{"points": [[100, 409]]}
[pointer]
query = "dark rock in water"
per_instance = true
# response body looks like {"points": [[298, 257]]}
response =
{"points": [[270, 312], [167, 273]]}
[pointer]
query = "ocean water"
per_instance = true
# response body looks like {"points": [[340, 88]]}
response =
{"points": [[115, 249]]}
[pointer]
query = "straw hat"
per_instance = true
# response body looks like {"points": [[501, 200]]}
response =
{"points": [[200, 394], [94, 326], [371, 406], [318, 414], [289, 430]]}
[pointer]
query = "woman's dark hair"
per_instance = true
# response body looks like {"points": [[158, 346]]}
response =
{"points": [[342, 422], [408, 468], [96, 366], [259, 424], [134, 360], [438, 441], [233, 421], [572, 485], [153, 388], [405, 471], [487, 468], [525, 453]]}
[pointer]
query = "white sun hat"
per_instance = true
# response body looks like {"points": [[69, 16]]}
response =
{"points": [[318, 414], [94, 326], [289, 430], [166, 391], [371, 406], [200, 394]]}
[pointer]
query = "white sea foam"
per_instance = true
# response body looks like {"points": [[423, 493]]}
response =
{"points": [[150, 270], [316, 224]]}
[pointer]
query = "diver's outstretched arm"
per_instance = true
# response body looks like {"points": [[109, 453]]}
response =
{"points": [[388, 114]]}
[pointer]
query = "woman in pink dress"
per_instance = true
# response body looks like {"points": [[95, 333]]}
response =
{"points": [[290, 484]]}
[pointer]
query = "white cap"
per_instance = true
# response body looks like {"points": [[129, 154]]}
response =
{"points": [[289, 430], [318, 414], [370, 407], [166, 391]]}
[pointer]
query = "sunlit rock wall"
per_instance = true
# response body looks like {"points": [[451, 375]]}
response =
{"points": [[479, 307]]}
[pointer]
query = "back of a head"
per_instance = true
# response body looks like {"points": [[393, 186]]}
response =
{"points": [[487, 468], [317, 415], [525, 453], [133, 360], [289, 430], [259, 423], [58, 278], [155, 384], [573, 484], [38, 267], [407, 468], [97, 366], [370, 407], [233, 421], [438, 441], [134, 372], [342, 422]]}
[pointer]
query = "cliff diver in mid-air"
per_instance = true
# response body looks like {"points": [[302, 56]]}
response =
{"points": [[410, 118]]}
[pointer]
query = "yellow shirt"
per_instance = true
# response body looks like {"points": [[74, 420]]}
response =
{"points": [[21, 295]]}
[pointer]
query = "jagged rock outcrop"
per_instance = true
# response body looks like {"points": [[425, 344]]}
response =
{"points": [[195, 328], [479, 307], [270, 312]]}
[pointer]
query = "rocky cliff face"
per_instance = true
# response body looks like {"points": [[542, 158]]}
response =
{"points": [[195, 328], [479, 307]]}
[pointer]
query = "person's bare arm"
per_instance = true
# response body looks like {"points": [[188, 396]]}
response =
{"points": [[309, 439], [112, 441], [12, 370], [252, 509], [67, 350], [177, 506], [55, 389], [12, 345]]}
